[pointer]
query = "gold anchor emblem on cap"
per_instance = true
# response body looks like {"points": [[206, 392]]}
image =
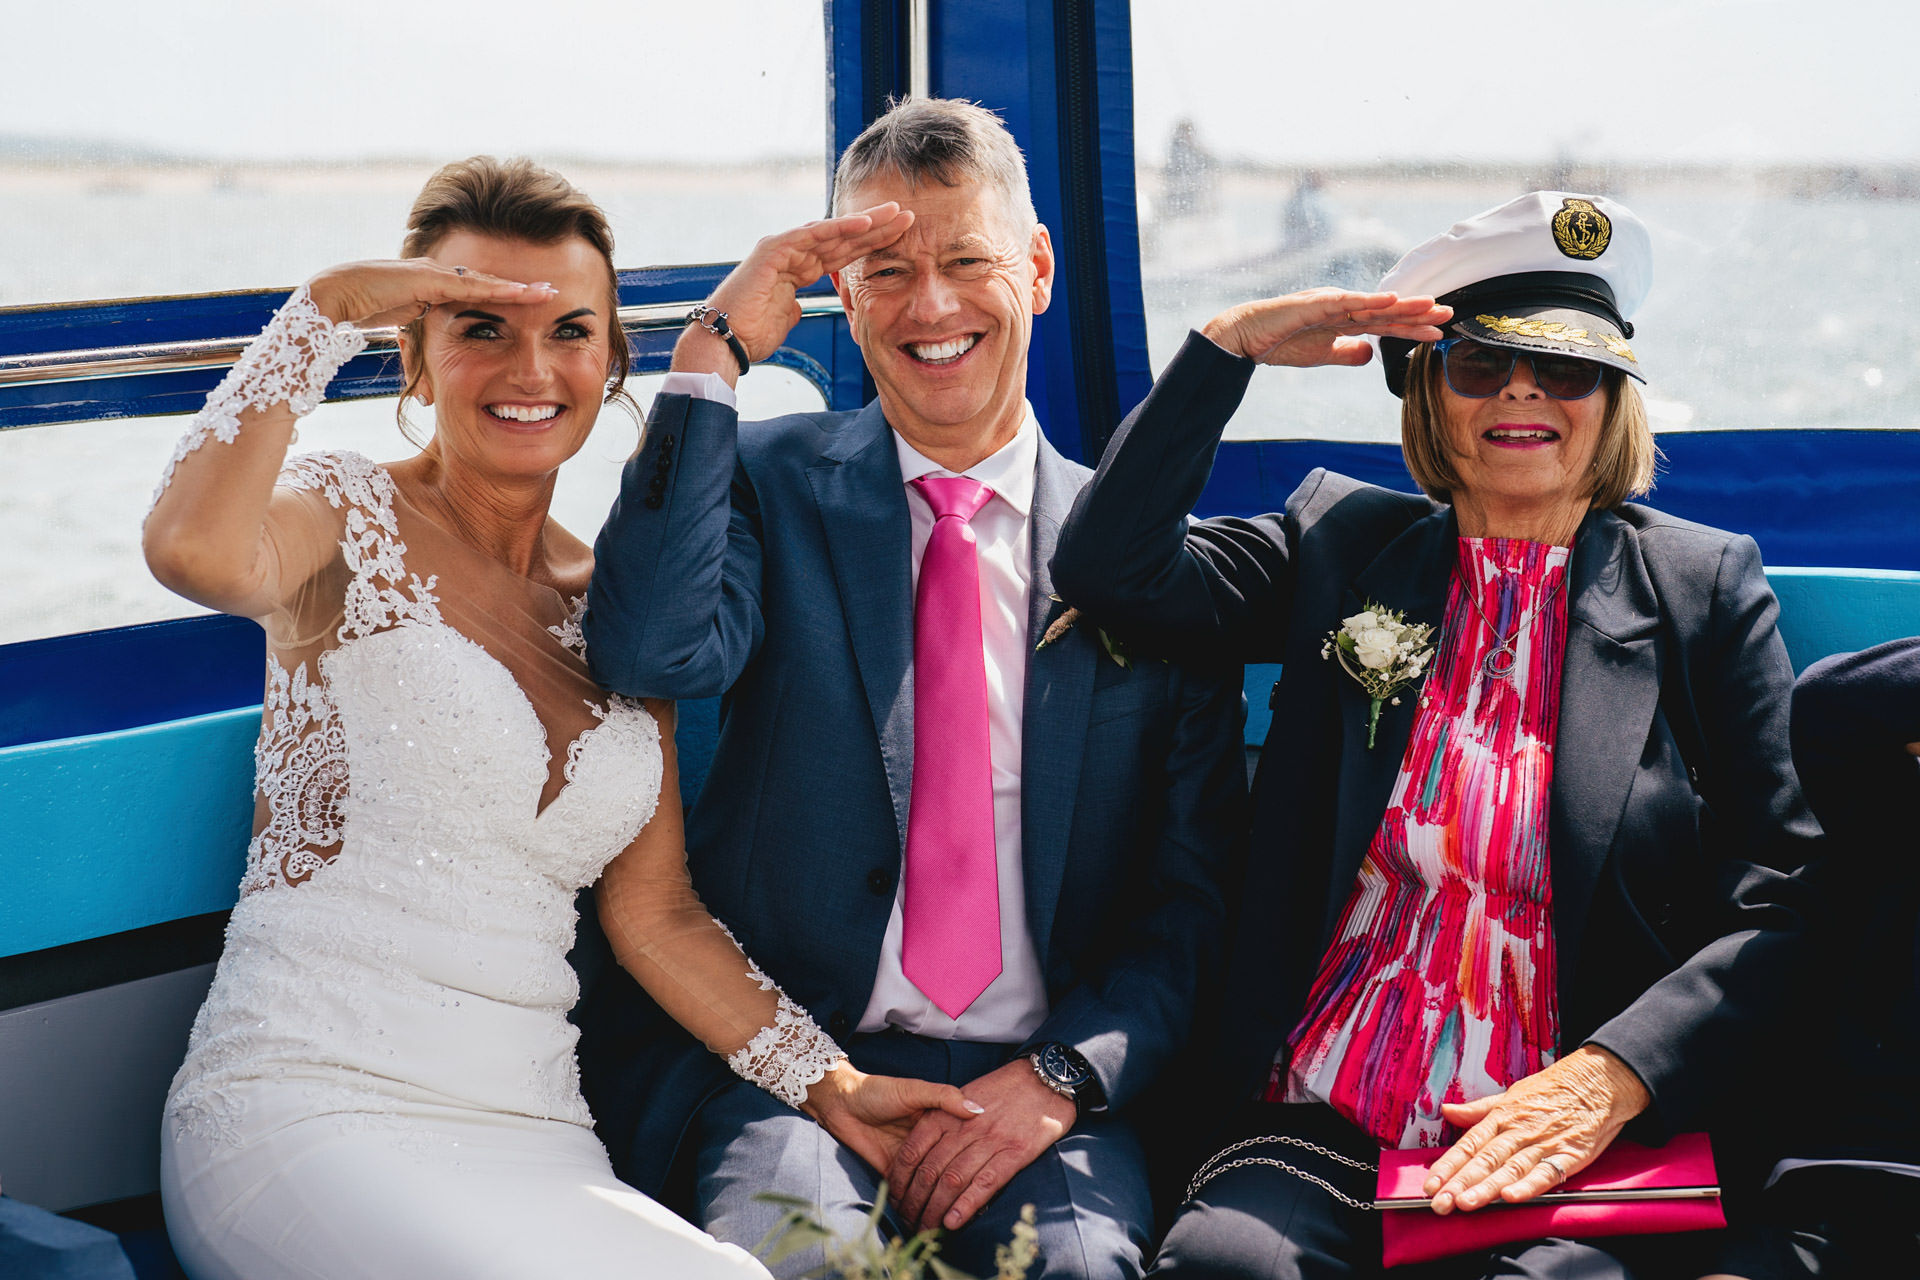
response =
{"points": [[1581, 230]]}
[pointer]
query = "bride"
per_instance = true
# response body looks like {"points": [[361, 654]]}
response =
{"points": [[382, 1080]]}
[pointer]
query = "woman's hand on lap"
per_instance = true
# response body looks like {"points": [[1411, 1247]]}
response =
{"points": [[1323, 326], [1535, 1135], [399, 291]]}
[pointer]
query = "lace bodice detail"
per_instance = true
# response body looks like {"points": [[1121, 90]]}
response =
{"points": [[300, 764]]}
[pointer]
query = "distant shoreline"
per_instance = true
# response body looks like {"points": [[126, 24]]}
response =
{"points": [[98, 162]]}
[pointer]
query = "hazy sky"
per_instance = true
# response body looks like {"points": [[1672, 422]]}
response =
{"points": [[1749, 80], [1273, 79]]}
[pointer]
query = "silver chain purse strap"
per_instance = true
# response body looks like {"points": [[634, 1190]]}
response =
{"points": [[1218, 1163]]}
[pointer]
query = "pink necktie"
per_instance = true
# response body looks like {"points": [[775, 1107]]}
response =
{"points": [[950, 943]]}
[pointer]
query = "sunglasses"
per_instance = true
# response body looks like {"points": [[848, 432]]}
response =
{"points": [[1477, 371]]}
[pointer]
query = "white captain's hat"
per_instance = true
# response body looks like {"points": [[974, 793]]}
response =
{"points": [[1550, 271]]}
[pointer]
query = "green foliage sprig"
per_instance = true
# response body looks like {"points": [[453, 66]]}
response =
{"points": [[872, 1255]]}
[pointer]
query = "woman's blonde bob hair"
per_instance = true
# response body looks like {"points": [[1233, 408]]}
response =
{"points": [[512, 199], [1624, 461]]}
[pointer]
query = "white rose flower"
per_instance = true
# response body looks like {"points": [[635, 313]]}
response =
{"points": [[1374, 648], [1359, 622]]}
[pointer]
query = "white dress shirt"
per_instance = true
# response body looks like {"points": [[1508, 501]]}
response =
{"points": [[1014, 1003]]}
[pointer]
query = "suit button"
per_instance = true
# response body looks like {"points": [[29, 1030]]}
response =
{"points": [[839, 1024], [880, 880], [654, 503]]}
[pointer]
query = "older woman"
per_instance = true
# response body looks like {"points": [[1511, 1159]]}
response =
{"points": [[382, 1080], [1541, 887]]}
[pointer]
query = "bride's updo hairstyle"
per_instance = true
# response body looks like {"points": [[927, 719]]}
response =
{"points": [[512, 199]]}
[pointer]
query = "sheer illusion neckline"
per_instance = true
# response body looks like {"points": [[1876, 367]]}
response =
{"points": [[407, 511], [480, 576]]}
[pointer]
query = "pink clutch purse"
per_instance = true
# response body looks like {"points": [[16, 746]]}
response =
{"points": [[1628, 1190]]}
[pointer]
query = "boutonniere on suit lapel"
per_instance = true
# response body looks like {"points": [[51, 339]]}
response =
{"points": [[1068, 620], [1383, 651]]}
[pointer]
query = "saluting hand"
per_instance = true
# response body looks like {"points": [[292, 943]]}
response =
{"points": [[394, 291], [759, 295], [1323, 326]]}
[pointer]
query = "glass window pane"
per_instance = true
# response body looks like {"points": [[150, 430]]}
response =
{"points": [[1779, 175], [207, 144], [75, 496]]}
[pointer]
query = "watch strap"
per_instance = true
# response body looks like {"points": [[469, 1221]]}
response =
{"points": [[714, 321]]}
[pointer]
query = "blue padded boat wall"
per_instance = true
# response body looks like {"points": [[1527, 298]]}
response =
{"points": [[125, 829], [1826, 497]]}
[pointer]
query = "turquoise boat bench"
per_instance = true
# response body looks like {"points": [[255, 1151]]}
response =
{"points": [[125, 809]]}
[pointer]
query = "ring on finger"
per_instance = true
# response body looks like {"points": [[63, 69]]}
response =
{"points": [[424, 308], [459, 271], [1553, 1162]]}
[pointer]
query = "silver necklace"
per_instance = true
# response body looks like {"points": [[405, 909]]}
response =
{"points": [[1502, 658]]}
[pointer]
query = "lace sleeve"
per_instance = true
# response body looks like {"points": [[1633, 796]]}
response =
{"points": [[664, 936], [790, 1054], [290, 363]]}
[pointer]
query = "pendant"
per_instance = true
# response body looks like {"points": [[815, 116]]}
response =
{"points": [[1499, 663]]}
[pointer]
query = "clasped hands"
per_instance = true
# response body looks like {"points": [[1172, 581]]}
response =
{"points": [[944, 1151]]}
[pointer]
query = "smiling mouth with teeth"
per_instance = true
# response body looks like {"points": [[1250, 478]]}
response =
{"points": [[523, 413], [1522, 433], [942, 352]]}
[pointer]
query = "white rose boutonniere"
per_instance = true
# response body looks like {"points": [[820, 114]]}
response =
{"points": [[1384, 652]]}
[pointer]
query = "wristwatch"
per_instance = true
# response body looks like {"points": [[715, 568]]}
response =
{"points": [[1062, 1069]]}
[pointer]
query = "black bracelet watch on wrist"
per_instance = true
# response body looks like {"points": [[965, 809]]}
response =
{"points": [[1062, 1069], [714, 321]]}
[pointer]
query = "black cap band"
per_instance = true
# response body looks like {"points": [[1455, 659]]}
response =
{"points": [[1573, 289]]}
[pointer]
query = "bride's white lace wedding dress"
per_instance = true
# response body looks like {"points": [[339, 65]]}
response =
{"points": [[382, 1081]]}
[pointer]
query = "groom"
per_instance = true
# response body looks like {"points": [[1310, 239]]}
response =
{"points": [[973, 858]]}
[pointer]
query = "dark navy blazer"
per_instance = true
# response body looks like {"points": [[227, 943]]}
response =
{"points": [[1676, 818], [1853, 715], [773, 563]]}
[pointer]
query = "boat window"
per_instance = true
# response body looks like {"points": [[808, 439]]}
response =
{"points": [[201, 146], [1282, 146], [74, 497], [197, 146]]}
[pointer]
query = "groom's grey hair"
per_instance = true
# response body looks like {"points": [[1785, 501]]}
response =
{"points": [[944, 140]]}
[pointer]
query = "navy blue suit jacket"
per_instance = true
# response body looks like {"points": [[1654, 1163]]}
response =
{"points": [[1675, 818], [773, 564], [1853, 715]]}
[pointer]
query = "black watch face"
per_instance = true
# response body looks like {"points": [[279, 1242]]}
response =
{"points": [[1063, 1064]]}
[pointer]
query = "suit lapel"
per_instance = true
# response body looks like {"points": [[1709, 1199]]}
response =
{"points": [[863, 509], [1059, 698], [1412, 575], [1609, 690]]}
